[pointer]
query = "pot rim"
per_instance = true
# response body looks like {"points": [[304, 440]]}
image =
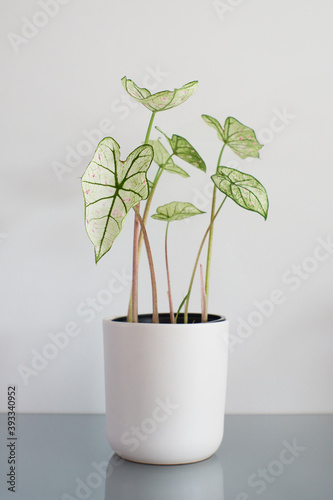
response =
{"points": [[164, 319]]}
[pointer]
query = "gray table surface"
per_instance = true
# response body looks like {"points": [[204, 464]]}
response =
{"points": [[67, 457]]}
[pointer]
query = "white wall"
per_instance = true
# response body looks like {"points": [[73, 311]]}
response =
{"points": [[255, 60]]}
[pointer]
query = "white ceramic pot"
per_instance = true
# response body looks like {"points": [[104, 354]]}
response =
{"points": [[165, 388]]}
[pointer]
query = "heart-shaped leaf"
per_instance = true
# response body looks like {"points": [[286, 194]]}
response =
{"points": [[161, 101], [244, 189], [184, 150], [111, 188], [176, 210], [212, 122], [163, 160], [241, 139]]}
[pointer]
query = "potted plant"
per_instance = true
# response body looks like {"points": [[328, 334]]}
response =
{"points": [[165, 373]]}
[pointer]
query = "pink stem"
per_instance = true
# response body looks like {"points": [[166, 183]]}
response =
{"points": [[133, 314], [151, 266]]}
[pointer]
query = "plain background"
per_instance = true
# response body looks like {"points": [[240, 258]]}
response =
{"points": [[266, 63]]}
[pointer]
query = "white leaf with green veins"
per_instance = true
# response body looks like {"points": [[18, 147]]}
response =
{"points": [[241, 139], [212, 122], [161, 101], [176, 210], [243, 189], [185, 151], [111, 188], [163, 160]]}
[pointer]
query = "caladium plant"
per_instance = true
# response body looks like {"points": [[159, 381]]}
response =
{"points": [[112, 187]]}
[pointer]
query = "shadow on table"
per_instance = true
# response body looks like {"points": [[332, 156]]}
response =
{"points": [[133, 481]]}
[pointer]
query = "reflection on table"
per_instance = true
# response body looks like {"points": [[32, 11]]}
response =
{"points": [[132, 481]]}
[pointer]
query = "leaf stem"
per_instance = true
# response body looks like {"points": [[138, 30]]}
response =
{"points": [[151, 266], [150, 197], [145, 218], [132, 314], [210, 240], [172, 315], [197, 260], [133, 317], [204, 315], [149, 127], [148, 204], [179, 308]]}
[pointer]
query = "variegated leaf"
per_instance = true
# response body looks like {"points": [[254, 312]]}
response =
{"points": [[176, 210], [241, 139], [212, 122], [185, 151], [163, 160], [243, 189], [161, 101], [111, 188]]}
